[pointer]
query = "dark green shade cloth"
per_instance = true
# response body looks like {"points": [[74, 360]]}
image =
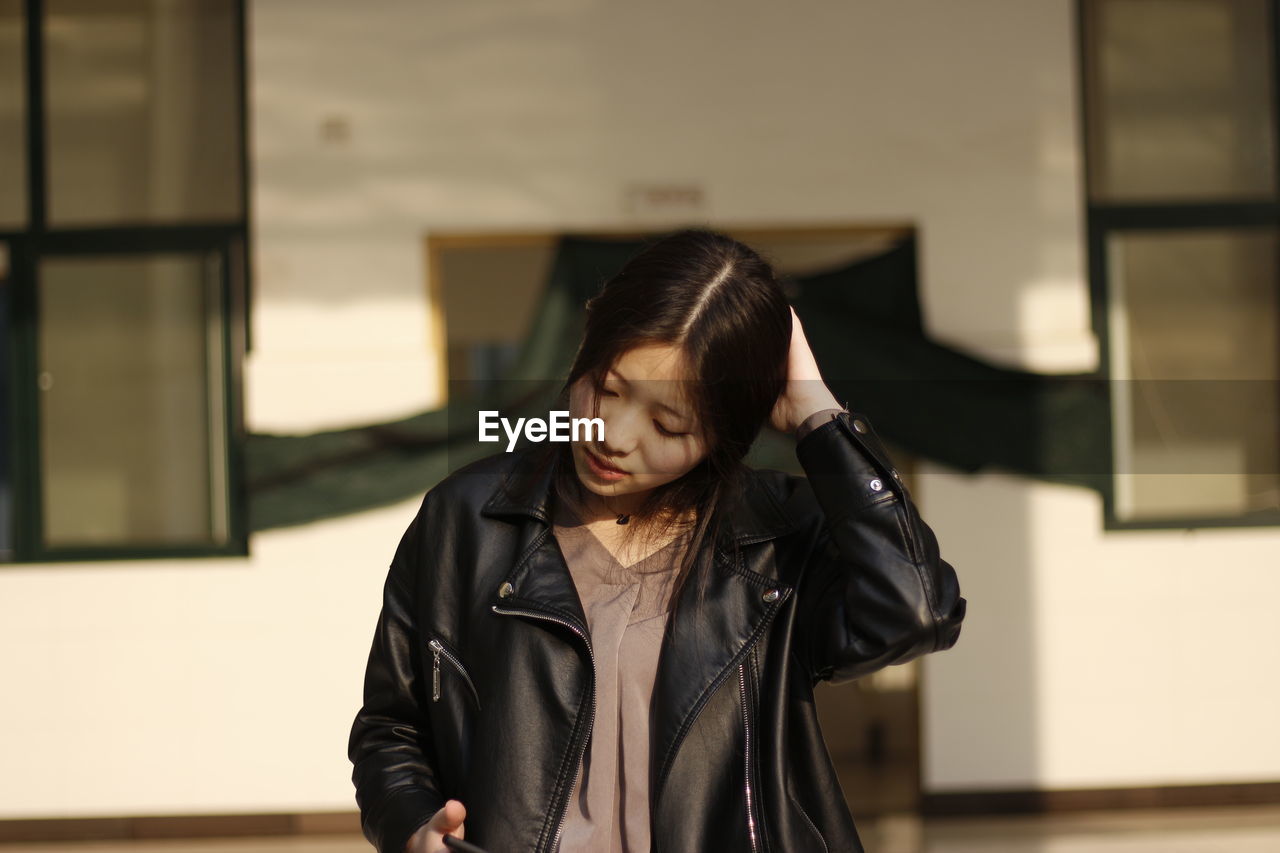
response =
{"points": [[864, 323]]}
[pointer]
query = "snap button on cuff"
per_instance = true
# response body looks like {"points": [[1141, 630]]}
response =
{"points": [[771, 595], [505, 590], [876, 485]]}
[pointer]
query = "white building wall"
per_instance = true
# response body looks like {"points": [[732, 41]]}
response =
{"points": [[228, 685]]}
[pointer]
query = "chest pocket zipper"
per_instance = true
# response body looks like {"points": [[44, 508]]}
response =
{"points": [[439, 651]]}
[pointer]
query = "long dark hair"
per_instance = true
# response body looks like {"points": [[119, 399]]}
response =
{"points": [[721, 304]]}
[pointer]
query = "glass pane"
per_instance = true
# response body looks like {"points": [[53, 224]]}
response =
{"points": [[132, 425], [13, 146], [1180, 96], [1195, 355], [142, 111]]}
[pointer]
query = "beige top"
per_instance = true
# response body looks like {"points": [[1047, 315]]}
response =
{"points": [[626, 615]]}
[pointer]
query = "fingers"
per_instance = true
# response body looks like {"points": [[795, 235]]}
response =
{"points": [[455, 813], [448, 821]]}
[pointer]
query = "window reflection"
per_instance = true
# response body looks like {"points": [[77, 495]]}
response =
{"points": [[13, 148], [1196, 363], [143, 116], [131, 401], [1181, 95]]}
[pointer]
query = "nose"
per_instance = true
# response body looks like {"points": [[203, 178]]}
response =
{"points": [[619, 436]]}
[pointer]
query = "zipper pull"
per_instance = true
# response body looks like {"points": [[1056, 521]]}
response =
{"points": [[435, 671]]}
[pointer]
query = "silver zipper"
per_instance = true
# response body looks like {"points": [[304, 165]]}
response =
{"points": [[591, 717], [435, 672], [746, 750], [438, 649]]}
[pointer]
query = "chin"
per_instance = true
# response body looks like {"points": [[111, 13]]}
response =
{"points": [[591, 486]]}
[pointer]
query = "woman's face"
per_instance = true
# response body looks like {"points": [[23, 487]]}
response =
{"points": [[651, 436]]}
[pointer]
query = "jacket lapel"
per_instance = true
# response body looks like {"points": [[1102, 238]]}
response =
{"points": [[704, 643], [539, 578]]}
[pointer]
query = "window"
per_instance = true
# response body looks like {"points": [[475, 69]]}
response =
{"points": [[125, 276], [1183, 216]]}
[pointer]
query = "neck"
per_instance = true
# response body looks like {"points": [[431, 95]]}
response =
{"points": [[600, 508]]}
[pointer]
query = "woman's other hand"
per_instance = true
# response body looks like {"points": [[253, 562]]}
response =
{"points": [[430, 837], [805, 392]]}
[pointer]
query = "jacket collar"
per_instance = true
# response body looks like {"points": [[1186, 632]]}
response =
{"points": [[527, 487]]}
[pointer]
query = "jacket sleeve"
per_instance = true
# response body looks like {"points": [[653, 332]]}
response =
{"points": [[390, 744], [876, 591]]}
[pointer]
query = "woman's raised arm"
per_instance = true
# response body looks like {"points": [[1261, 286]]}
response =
{"points": [[876, 591]]}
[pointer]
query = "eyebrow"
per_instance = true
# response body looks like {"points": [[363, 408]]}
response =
{"points": [[624, 381]]}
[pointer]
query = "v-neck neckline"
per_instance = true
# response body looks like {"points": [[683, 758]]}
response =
{"points": [[580, 529], [599, 543]]}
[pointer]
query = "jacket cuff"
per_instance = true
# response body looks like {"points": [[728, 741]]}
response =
{"points": [[847, 465], [401, 815]]}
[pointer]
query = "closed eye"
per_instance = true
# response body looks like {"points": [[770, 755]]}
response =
{"points": [[666, 431]]}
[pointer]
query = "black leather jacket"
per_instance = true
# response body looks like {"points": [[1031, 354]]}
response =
{"points": [[480, 687]]}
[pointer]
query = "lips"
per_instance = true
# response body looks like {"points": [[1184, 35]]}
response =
{"points": [[602, 466]]}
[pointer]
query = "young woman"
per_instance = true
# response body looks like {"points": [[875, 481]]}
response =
{"points": [[612, 644]]}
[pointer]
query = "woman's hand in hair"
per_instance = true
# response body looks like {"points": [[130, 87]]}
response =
{"points": [[430, 836], [805, 392]]}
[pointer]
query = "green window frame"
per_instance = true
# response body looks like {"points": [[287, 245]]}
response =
{"points": [[1127, 206], [184, 268]]}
